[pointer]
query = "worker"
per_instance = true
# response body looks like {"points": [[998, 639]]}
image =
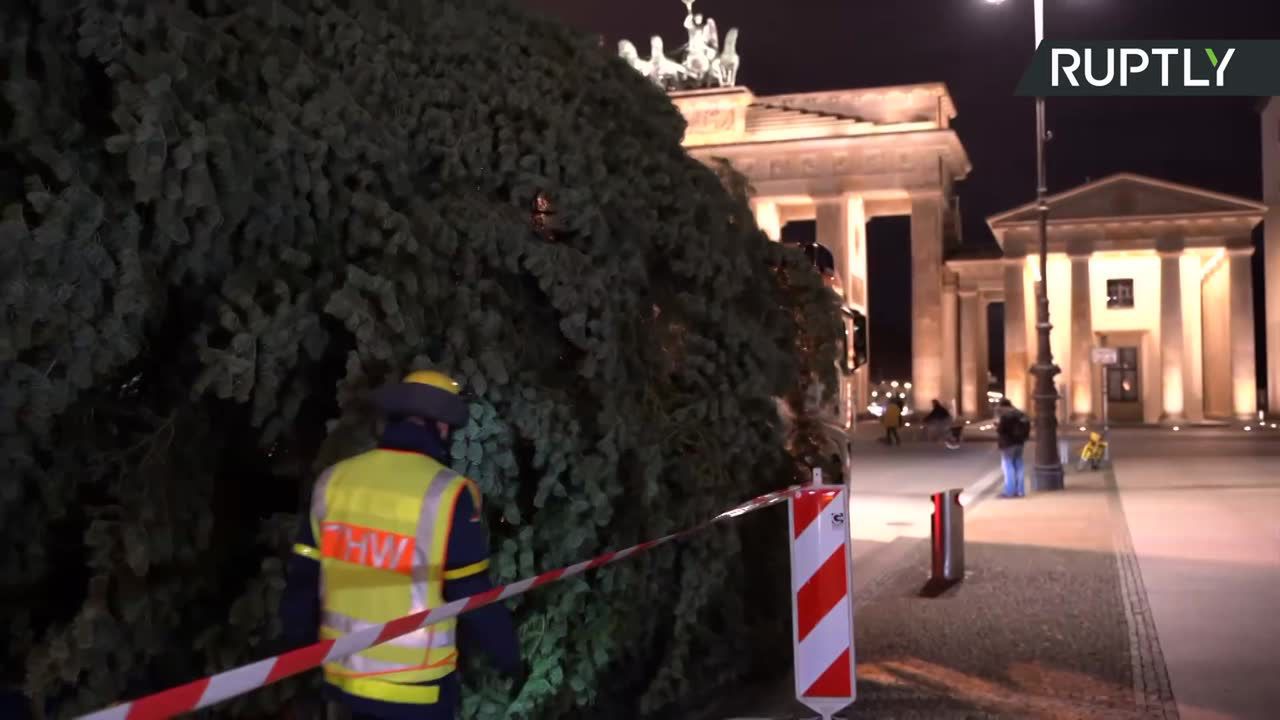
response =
{"points": [[392, 532], [891, 418]]}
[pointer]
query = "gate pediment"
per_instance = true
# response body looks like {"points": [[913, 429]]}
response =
{"points": [[1128, 195]]}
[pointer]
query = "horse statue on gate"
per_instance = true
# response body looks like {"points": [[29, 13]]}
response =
{"points": [[725, 66], [704, 63]]}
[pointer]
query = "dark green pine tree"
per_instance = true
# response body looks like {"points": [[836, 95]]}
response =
{"points": [[222, 222]]}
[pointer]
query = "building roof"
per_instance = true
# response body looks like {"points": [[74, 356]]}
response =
{"points": [[1127, 197]]}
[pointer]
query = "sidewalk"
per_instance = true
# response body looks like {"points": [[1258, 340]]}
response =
{"points": [[1203, 512], [1051, 622]]}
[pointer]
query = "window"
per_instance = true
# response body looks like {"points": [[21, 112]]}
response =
{"points": [[1122, 378], [1120, 293]]}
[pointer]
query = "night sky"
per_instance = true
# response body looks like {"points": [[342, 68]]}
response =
{"points": [[980, 51]]}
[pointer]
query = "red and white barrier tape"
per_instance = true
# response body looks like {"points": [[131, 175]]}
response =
{"points": [[226, 685]]}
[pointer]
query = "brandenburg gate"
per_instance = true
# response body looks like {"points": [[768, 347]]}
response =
{"points": [[840, 159]]}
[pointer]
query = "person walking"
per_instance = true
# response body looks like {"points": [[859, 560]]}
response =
{"points": [[937, 422], [891, 419], [1012, 430], [391, 532]]}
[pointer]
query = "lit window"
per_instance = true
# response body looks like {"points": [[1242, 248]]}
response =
{"points": [[1120, 293]]}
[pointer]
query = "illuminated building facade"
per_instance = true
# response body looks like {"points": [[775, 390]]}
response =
{"points": [[840, 159], [1159, 271]]}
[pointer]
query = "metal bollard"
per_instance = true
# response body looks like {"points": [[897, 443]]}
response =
{"points": [[948, 537]]}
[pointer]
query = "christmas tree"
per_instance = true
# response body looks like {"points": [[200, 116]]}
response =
{"points": [[225, 221]]}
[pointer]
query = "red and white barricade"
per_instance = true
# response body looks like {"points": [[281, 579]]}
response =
{"points": [[214, 689], [822, 614], [822, 597]]}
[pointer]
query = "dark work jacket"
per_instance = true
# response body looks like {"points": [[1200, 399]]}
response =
{"points": [[1006, 435], [938, 414], [489, 628]]}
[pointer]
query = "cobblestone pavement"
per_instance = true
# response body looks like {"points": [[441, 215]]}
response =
{"points": [[1050, 622]]}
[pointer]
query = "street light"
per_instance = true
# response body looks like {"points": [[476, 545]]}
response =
{"points": [[1048, 464]]}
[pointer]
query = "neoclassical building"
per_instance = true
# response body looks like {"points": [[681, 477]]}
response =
{"points": [[1157, 270], [841, 158]]}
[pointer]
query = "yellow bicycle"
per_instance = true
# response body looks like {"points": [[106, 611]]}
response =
{"points": [[1093, 453]]}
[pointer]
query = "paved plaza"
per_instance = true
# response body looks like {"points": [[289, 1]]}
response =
{"points": [[1143, 591]]}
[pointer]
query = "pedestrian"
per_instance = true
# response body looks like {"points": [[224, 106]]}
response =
{"points": [[391, 532], [1012, 430], [891, 419], [937, 422]]}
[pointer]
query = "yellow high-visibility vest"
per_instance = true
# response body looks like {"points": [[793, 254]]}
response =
{"points": [[382, 520]]}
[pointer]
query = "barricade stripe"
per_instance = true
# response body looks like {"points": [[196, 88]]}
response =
{"points": [[300, 660], [602, 560], [518, 588], [821, 592], [397, 627], [836, 681], [812, 549], [229, 684], [484, 598], [192, 696], [170, 702], [548, 577], [808, 506], [829, 638]]}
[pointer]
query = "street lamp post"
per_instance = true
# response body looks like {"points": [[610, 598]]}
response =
{"points": [[1048, 465]]}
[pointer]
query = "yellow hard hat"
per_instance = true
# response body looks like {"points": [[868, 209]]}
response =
{"points": [[427, 394], [435, 379]]}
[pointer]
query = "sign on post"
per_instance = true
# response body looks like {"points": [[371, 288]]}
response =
{"points": [[1105, 356], [822, 598]]}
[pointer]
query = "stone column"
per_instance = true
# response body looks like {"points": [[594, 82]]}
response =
{"points": [[1244, 380], [1271, 290], [973, 375], [1173, 400], [984, 359], [1082, 370], [949, 390], [926, 299], [768, 218], [1192, 338], [1016, 363], [832, 230]]}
